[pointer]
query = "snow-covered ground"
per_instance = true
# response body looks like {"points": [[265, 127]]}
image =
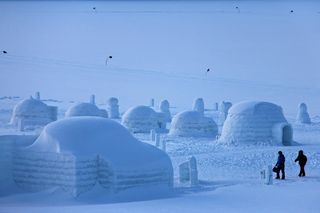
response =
{"points": [[160, 50]]}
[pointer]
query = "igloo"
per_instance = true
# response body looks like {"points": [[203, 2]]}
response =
{"points": [[198, 105], [252, 122], [303, 115], [193, 124], [78, 154], [113, 108], [165, 109], [31, 113], [140, 119]]}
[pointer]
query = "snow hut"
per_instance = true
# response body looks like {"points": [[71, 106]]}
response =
{"points": [[85, 109], [193, 124], [140, 119], [113, 108], [303, 115], [78, 154], [31, 113], [165, 109], [252, 122], [198, 105]]}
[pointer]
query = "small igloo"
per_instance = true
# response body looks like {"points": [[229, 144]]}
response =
{"points": [[251, 123], [165, 109], [303, 115], [193, 124], [79, 154], [113, 108], [140, 119], [86, 109], [198, 105], [31, 113]]}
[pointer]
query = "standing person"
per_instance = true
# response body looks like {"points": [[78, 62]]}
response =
{"points": [[302, 159], [280, 165]]}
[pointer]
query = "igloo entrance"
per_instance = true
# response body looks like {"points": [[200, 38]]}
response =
{"points": [[286, 135]]}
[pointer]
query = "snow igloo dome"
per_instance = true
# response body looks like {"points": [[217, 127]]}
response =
{"points": [[81, 152], [85, 109], [253, 122], [33, 112], [193, 124], [140, 119]]}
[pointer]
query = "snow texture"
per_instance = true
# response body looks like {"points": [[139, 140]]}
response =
{"points": [[77, 153], [30, 113], [251, 122], [193, 124], [303, 115], [140, 119]]}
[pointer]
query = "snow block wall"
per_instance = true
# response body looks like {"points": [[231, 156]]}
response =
{"points": [[193, 124], [256, 123], [75, 154], [9, 144], [303, 115]]}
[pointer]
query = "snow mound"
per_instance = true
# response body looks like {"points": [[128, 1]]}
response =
{"points": [[198, 105], [193, 124], [78, 153], [33, 112], [253, 122], [85, 109], [140, 119], [165, 109], [113, 108], [303, 115]]}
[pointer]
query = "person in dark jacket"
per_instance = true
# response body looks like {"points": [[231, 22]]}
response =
{"points": [[280, 165], [302, 159]]}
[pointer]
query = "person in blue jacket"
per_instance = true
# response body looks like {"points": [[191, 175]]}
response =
{"points": [[280, 166]]}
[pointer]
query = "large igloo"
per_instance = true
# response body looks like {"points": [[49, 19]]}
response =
{"points": [[253, 122], [140, 119], [30, 113], [303, 115], [78, 154], [193, 124]]}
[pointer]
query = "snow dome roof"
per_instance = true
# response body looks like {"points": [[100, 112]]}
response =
{"points": [[30, 106], [83, 109], [193, 124], [91, 136], [253, 107], [139, 112]]}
